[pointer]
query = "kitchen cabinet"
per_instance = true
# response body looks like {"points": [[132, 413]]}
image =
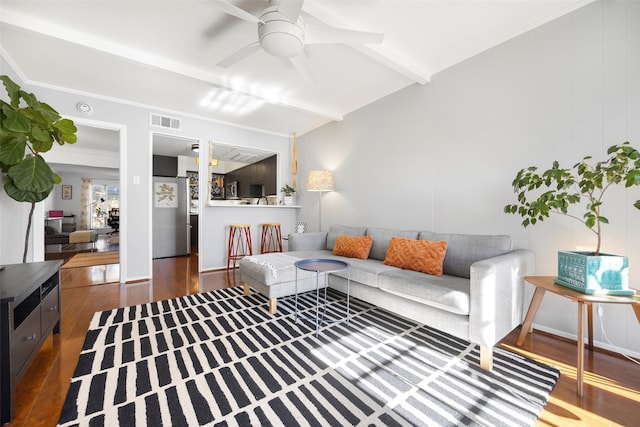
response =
{"points": [[263, 173], [194, 231], [165, 166]]}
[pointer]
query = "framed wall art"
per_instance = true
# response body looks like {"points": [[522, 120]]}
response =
{"points": [[217, 186], [165, 194], [66, 192]]}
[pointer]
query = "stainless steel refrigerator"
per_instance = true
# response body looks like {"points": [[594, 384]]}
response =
{"points": [[171, 219]]}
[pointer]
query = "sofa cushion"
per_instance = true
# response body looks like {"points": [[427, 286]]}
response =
{"points": [[465, 249], [310, 253], [418, 255], [340, 230], [448, 293], [382, 237], [308, 241], [364, 271], [353, 247], [57, 239]]}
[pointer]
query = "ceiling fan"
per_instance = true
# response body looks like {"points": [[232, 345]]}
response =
{"points": [[283, 33]]}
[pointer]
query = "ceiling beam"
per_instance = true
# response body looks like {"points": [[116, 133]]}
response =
{"points": [[72, 36]]}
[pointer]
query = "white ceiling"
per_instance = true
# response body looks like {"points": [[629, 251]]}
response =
{"points": [[163, 54]]}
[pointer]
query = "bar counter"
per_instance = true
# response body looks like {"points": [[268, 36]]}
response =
{"points": [[219, 214]]}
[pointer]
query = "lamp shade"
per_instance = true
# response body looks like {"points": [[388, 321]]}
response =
{"points": [[321, 180]]}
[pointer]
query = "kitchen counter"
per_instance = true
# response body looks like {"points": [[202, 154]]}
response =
{"points": [[236, 204], [216, 218]]}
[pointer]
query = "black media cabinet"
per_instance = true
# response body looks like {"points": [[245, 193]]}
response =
{"points": [[29, 312]]}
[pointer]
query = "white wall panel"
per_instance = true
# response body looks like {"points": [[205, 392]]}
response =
{"points": [[13, 216], [633, 128], [481, 134], [379, 163], [565, 90]]}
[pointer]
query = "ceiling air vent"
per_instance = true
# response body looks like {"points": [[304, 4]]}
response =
{"points": [[166, 122], [244, 157]]}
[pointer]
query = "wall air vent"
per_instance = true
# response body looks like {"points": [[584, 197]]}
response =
{"points": [[166, 122]]}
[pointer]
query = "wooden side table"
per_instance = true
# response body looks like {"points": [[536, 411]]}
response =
{"points": [[545, 283]]}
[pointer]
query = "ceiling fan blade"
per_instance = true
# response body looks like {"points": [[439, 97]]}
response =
{"points": [[239, 55], [291, 9], [233, 10], [316, 34], [301, 63]]}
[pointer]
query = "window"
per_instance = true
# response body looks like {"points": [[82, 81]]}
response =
{"points": [[105, 195]]}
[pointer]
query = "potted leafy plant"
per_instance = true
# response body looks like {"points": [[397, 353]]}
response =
{"points": [[556, 189], [29, 127], [288, 194]]}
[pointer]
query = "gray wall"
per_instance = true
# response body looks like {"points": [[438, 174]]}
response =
{"points": [[135, 172], [442, 156]]}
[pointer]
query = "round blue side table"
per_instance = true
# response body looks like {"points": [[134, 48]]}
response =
{"points": [[322, 266]]}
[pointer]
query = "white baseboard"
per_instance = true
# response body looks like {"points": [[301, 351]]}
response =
{"points": [[599, 344]]}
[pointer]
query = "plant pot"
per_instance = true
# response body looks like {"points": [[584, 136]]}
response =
{"points": [[604, 274], [288, 200]]}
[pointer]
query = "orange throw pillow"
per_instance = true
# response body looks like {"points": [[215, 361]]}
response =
{"points": [[418, 255], [353, 247]]}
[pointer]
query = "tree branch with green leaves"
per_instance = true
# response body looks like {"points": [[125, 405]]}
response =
{"points": [[585, 181]]}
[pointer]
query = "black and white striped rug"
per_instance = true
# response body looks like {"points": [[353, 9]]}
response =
{"points": [[219, 358]]}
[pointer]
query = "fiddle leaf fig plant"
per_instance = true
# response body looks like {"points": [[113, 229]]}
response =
{"points": [[29, 127], [556, 189]]}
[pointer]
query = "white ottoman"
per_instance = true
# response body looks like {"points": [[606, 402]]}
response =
{"points": [[274, 275], [82, 236]]}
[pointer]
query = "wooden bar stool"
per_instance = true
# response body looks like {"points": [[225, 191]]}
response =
{"points": [[271, 238], [239, 243]]}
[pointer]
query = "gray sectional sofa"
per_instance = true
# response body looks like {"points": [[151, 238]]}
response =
{"points": [[478, 298], [53, 237]]}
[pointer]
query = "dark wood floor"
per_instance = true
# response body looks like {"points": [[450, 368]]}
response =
{"points": [[612, 386], [103, 243]]}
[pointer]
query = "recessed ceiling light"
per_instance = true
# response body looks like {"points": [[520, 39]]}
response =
{"points": [[84, 108]]}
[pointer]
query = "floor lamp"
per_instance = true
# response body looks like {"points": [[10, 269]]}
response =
{"points": [[320, 180]]}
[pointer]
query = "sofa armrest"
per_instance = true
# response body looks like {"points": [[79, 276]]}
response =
{"points": [[497, 295], [307, 241]]}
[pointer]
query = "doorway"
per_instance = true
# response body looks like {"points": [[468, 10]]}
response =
{"points": [[175, 196], [91, 198]]}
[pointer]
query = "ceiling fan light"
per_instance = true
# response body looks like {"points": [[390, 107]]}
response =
{"points": [[280, 37], [282, 45]]}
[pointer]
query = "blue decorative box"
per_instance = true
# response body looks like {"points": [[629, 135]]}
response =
{"points": [[604, 274]]}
